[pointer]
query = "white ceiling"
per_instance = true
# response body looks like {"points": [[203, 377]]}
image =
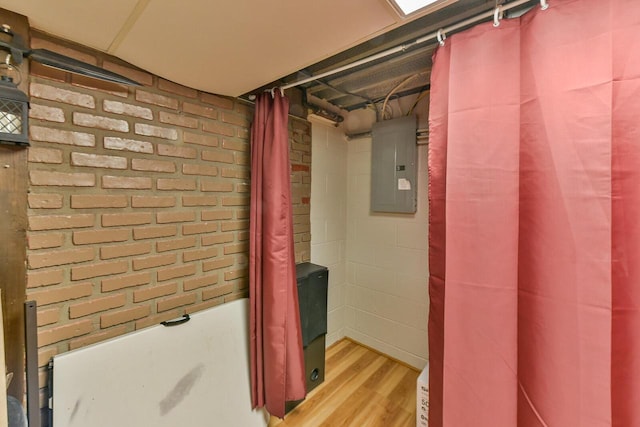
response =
{"points": [[227, 47]]}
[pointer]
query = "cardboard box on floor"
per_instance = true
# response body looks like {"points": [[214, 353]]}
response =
{"points": [[422, 398]]}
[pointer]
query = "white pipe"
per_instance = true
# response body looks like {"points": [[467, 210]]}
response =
{"points": [[404, 47]]}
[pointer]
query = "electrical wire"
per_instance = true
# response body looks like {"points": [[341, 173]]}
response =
{"points": [[394, 90]]}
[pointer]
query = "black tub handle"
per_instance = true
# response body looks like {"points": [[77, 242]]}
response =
{"points": [[184, 319]]}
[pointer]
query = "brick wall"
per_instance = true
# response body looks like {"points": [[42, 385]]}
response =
{"points": [[138, 201]]}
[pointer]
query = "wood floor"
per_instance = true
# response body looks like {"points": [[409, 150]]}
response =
{"points": [[361, 388]]}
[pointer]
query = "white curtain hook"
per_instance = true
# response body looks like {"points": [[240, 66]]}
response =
{"points": [[281, 91], [441, 36], [544, 5], [273, 93], [497, 16]]}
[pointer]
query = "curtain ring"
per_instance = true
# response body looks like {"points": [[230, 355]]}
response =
{"points": [[281, 91], [273, 93], [544, 5], [497, 16], [441, 36]]}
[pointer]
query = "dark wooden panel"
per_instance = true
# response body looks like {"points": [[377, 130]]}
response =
{"points": [[13, 225]]}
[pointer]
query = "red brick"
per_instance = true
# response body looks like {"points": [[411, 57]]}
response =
{"points": [[155, 320], [97, 337], [204, 305], [61, 333], [217, 156], [217, 264], [235, 119], [175, 272], [100, 122], [43, 112], [243, 235], [53, 222], [175, 151], [155, 292], [100, 85], [200, 282], [235, 274], [217, 186], [242, 159], [156, 131], [236, 296], [155, 99], [181, 216], [38, 133], [117, 107], [216, 291], [39, 70], [121, 282], [99, 269], [119, 251], [52, 93], [198, 254], [300, 168], [123, 316], [205, 140], [176, 184], [243, 187], [200, 110], [202, 170], [153, 201], [36, 279], [45, 155], [96, 305], [140, 183], [45, 241], [178, 120], [216, 239], [40, 43], [153, 165], [154, 232], [123, 144], [139, 76], [48, 317], [59, 257], [235, 249], [175, 301], [94, 201], [199, 200], [218, 128], [215, 215], [242, 213], [199, 228], [235, 225], [61, 293], [90, 237], [119, 219], [173, 244], [62, 179], [235, 145], [98, 161], [154, 261], [235, 201], [218, 101], [235, 173], [45, 201], [177, 89]]}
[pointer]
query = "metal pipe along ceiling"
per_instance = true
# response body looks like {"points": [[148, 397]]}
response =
{"points": [[439, 35]]}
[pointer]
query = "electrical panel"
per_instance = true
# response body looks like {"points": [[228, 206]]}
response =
{"points": [[394, 165]]}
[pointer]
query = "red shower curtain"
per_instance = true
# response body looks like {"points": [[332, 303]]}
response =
{"points": [[534, 162], [277, 365]]}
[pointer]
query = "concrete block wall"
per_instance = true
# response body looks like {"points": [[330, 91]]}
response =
{"points": [[138, 201], [329, 219]]}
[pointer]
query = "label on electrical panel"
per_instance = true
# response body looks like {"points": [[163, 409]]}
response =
{"points": [[404, 184]]}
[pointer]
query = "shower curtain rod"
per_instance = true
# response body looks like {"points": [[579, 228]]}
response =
{"points": [[435, 35]]}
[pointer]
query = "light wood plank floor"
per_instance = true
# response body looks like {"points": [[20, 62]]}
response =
{"points": [[361, 388]]}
